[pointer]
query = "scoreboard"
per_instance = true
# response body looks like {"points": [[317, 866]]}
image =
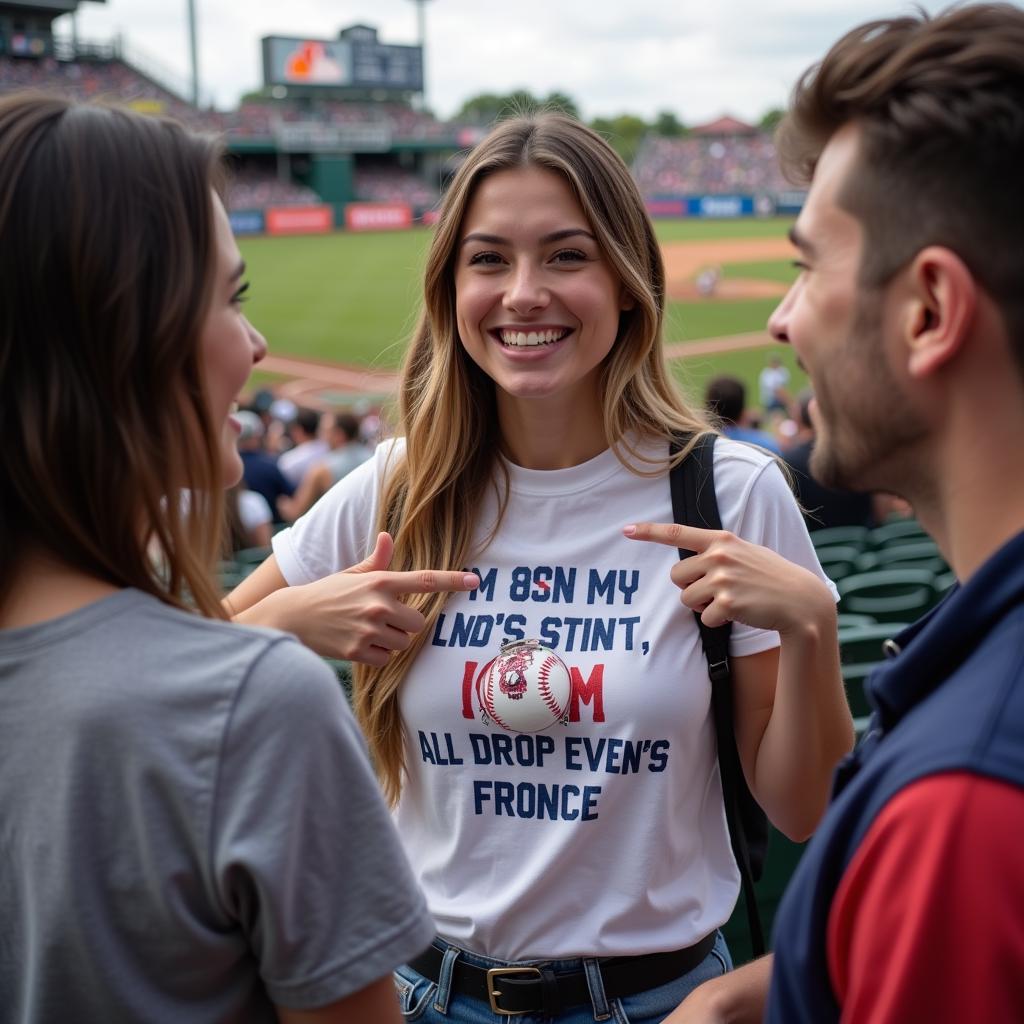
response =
{"points": [[356, 61]]}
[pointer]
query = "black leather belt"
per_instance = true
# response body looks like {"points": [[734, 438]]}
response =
{"points": [[513, 991]]}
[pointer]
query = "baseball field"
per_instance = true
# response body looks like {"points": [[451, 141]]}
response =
{"points": [[337, 309]]}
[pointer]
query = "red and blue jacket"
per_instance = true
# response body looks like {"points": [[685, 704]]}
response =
{"points": [[908, 904]]}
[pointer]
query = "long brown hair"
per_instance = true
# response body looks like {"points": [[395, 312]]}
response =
{"points": [[447, 404], [106, 272]]}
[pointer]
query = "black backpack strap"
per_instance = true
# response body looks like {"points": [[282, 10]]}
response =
{"points": [[694, 503]]}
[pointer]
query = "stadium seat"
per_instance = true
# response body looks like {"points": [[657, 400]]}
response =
{"points": [[852, 536], [838, 560], [893, 595], [897, 531], [945, 580], [343, 670], [252, 556], [846, 620], [780, 863], [860, 650], [911, 554]]}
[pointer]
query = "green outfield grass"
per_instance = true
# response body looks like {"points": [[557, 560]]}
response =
{"points": [[701, 229], [353, 298], [766, 270], [347, 298]]}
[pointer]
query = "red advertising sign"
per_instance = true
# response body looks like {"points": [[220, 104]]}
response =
{"points": [[377, 216], [299, 220], [666, 207]]}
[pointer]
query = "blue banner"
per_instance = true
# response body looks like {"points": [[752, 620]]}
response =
{"points": [[247, 222]]}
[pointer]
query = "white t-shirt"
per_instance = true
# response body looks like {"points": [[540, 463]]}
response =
{"points": [[605, 836], [297, 461]]}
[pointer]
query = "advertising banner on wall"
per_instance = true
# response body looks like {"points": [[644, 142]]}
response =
{"points": [[247, 222], [299, 220], [378, 216], [666, 206], [791, 201], [720, 206]]}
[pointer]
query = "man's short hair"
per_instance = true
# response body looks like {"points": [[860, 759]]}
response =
{"points": [[347, 424], [308, 419], [725, 398], [940, 105]]}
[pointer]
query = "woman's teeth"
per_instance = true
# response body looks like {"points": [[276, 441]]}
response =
{"points": [[526, 339]]}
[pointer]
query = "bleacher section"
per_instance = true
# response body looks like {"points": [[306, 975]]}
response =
{"points": [[708, 166]]}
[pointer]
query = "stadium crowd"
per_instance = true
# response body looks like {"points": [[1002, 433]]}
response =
{"points": [[742, 163]]}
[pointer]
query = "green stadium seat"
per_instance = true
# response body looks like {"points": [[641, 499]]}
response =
{"points": [[893, 595], [866, 561], [838, 560], [860, 650], [343, 670], [945, 580], [780, 863], [852, 536], [897, 531], [846, 620], [252, 556], [921, 554]]}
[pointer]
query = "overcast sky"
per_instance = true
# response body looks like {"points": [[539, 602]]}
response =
{"points": [[697, 58]]}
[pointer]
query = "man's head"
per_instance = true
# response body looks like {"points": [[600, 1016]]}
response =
{"points": [[940, 108], [251, 430], [725, 398], [344, 428], [304, 426], [911, 132]]}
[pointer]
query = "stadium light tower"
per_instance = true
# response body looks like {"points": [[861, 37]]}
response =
{"points": [[193, 52], [421, 22]]}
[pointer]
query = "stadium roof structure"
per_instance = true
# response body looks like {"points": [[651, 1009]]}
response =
{"points": [[725, 125], [54, 8]]}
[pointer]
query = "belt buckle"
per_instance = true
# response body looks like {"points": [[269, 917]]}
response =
{"points": [[493, 993]]}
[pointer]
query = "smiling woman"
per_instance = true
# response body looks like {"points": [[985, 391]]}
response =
{"points": [[585, 874]]}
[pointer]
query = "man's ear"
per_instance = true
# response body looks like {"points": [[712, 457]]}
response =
{"points": [[940, 302]]}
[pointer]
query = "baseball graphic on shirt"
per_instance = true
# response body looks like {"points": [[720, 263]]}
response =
{"points": [[525, 689]]}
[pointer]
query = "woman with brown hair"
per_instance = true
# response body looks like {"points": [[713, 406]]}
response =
{"points": [[175, 844], [578, 865]]}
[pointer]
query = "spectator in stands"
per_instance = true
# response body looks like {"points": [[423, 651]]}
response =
{"points": [[346, 452], [909, 319], [822, 506], [189, 825], [726, 399], [260, 469], [308, 449], [249, 520], [742, 164], [772, 384]]}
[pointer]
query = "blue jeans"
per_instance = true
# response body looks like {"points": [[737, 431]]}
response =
{"points": [[428, 1002]]}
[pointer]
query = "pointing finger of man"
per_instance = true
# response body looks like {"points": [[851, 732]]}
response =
{"points": [[675, 535]]}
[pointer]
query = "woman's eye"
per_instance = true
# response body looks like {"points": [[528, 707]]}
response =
{"points": [[241, 295], [484, 258], [569, 256]]}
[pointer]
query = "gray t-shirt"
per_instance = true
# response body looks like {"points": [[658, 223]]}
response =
{"points": [[189, 827]]}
